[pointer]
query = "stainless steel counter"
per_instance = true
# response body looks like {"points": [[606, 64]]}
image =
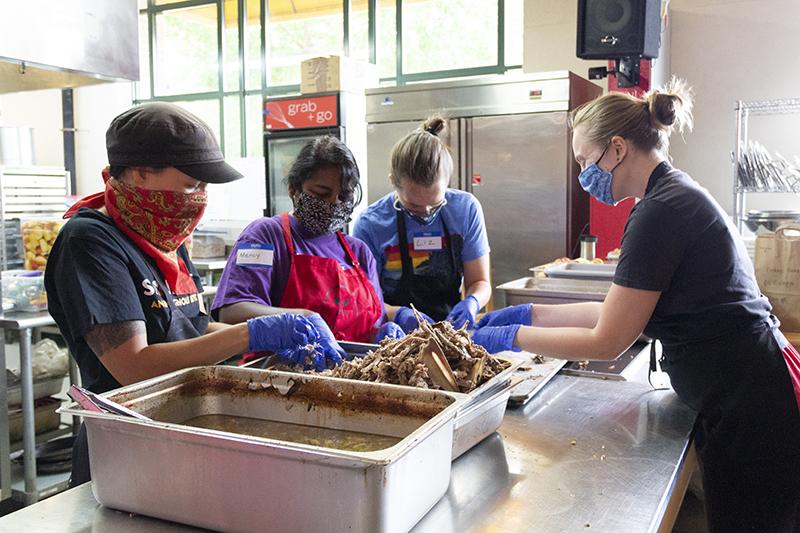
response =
{"points": [[584, 455]]}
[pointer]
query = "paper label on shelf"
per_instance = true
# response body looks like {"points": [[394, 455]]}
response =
{"points": [[252, 254], [427, 241]]}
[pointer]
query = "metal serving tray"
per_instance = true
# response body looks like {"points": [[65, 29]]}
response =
{"points": [[483, 409], [232, 482], [601, 272]]}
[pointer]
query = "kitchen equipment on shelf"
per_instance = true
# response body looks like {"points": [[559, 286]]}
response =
{"points": [[23, 290], [769, 220], [754, 169], [542, 290]]}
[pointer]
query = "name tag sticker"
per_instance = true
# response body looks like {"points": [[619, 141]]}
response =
{"points": [[251, 254], [427, 241]]}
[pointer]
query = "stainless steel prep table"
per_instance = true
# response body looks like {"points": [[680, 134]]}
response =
{"points": [[24, 323], [585, 454]]}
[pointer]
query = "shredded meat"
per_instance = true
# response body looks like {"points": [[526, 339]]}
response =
{"points": [[401, 361]]}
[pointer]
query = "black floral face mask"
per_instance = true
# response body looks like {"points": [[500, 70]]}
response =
{"points": [[319, 216]]}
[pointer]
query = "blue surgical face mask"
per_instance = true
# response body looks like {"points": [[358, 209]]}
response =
{"points": [[597, 181], [422, 220]]}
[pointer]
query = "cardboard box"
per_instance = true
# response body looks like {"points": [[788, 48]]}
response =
{"points": [[336, 73]]}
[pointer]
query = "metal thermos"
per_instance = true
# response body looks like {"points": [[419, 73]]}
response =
{"points": [[588, 245]]}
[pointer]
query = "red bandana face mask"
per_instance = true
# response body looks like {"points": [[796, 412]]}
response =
{"points": [[163, 218]]}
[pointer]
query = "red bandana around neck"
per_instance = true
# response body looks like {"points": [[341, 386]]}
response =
{"points": [[158, 222]]}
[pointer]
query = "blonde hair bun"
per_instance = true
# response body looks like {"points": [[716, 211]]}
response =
{"points": [[671, 106], [434, 125]]}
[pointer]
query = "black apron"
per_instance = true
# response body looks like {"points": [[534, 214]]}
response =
{"points": [[180, 328], [434, 295], [748, 430]]}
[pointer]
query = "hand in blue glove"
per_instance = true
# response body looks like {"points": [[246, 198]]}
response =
{"points": [[407, 321], [389, 330], [272, 333], [289, 335], [516, 314], [464, 312], [497, 339], [331, 350]]}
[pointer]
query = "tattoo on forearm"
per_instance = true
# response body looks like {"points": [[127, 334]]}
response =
{"points": [[105, 337]]}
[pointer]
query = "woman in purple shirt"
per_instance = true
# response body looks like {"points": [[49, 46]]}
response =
{"points": [[301, 262]]}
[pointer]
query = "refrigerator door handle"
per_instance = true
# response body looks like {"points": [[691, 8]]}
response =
{"points": [[468, 181]]}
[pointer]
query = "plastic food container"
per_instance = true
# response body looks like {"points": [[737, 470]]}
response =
{"points": [[23, 290], [38, 236], [206, 245]]}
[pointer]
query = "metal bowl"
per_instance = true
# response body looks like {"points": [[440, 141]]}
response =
{"points": [[768, 221]]}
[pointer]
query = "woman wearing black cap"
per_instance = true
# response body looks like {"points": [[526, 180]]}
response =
{"points": [[120, 284]]}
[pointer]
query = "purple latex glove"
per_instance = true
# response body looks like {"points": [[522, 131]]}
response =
{"points": [[497, 339], [464, 312], [407, 321], [516, 314], [389, 330]]}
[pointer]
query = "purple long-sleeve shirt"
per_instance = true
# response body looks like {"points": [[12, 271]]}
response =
{"points": [[261, 273]]}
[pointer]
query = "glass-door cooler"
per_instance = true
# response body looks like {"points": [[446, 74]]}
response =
{"points": [[290, 123]]}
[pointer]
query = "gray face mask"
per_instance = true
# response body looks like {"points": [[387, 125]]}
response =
{"points": [[319, 216]]}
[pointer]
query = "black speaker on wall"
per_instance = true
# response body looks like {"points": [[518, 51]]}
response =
{"points": [[611, 29]]}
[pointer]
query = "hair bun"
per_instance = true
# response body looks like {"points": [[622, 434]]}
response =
{"points": [[434, 125], [662, 108], [671, 107]]}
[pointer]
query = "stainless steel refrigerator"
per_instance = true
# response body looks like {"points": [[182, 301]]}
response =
{"points": [[511, 145]]}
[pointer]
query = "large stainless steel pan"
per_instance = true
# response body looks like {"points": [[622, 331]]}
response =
{"points": [[232, 482]]}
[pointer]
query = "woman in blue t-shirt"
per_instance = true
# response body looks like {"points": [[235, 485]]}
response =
{"points": [[427, 239], [684, 278]]}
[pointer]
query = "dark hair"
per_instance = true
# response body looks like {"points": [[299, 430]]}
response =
{"points": [[422, 156], [323, 152]]}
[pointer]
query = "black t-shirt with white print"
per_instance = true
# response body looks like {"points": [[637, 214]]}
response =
{"points": [[96, 275]]}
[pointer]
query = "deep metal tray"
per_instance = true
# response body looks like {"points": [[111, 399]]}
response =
{"points": [[233, 482]]}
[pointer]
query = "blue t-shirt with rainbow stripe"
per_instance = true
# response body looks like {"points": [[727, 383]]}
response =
{"points": [[377, 227]]}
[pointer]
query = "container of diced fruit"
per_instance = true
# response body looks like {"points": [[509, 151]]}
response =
{"points": [[38, 236]]}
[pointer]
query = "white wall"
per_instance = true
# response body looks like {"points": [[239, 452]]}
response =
{"points": [[727, 50], [95, 107], [550, 37], [733, 50], [40, 110]]}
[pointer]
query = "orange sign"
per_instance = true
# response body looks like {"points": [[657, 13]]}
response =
{"points": [[296, 113]]}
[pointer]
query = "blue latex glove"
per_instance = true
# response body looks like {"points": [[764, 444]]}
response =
{"points": [[464, 312], [497, 339], [272, 333], [407, 321], [331, 350], [389, 330], [290, 337], [516, 314]]}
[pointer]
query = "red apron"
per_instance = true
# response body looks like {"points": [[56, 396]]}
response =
{"points": [[344, 297]]}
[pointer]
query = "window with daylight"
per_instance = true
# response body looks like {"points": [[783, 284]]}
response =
{"points": [[221, 58]]}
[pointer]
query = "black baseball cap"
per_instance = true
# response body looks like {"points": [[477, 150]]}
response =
{"points": [[160, 134]]}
